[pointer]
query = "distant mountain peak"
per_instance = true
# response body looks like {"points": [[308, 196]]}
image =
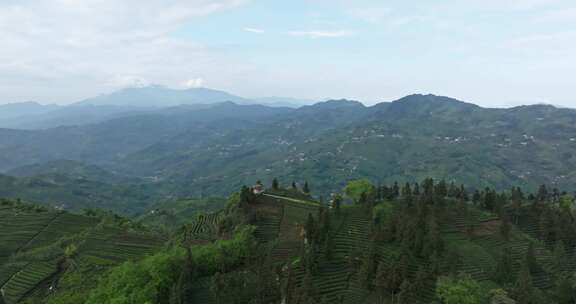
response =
{"points": [[338, 103], [431, 100], [158, 96]]}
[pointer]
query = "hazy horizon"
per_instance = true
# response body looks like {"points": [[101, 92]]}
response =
{"points": [[491, 53], [309, 101]]}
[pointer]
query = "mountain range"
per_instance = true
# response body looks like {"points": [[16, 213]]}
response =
{"points": [[190, 150], [123, 103]]}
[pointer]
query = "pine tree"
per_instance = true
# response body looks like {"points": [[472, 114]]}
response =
{"points": [[306, 188], [476, 197], [329, 247], [289, 286], [505, 226], [462, 194], [469, 222], [368, 267], [523, 290], [489, 202], [310, 229], [405, 291], [267, 286], [453, 191], [530, 258], [406, 191], [504, 268], [542, 194], [395, 190], [428, 186], [336, 202], [441, 189], [381, 281], [294, 187], [275, 184], [308, 292], [416, 191], [422, 276], [565, 290], [560, 257], [363, 199], [325, 224], [245, 196]]}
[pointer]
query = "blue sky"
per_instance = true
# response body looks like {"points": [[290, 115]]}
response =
{"points": [[493, 53]]}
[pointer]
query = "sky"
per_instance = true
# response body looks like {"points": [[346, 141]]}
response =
{"points": [[494, 53]]}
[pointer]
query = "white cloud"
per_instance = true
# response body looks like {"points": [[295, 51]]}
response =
{"points": [[321, 34], [194, 83], [254, 30], [558, 15], [79, 47], [556, 43], [129, 81], [372, 15]]}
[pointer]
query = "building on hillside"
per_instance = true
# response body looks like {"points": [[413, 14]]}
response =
{"points": [[258, 188]]}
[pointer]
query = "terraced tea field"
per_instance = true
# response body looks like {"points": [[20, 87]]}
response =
{"points": [[31, 254]]}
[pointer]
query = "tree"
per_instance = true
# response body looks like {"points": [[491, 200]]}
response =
{"points": [[294, 187], [416, 191], [310, 229], [245, 196], [395, 190], [329, 247], [275, 184], [289, 285], [405, 290], [388, 278], [566, 202], [441, 189], [489, 202], [182, 291], [368, 267], [336, 202], [505, 226], [504, 268], [476, 197], [530, 259], [307, 291], [355, 188], [565, 290], [363, 200], [560, 257], [458, 290], [523, 290], [542, 194], [306, 188], [406, 190], [267, 286]]}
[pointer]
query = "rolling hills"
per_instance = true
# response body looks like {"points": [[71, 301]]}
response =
{"points": [[217, 149]]}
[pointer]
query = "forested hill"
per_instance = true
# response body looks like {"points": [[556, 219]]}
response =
{"points": [[217, 149], [417, 243]]}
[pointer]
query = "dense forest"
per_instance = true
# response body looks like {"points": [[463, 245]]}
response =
{"points": [[426, 242]]}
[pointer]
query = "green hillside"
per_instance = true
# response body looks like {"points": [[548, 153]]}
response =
{"points": [[131, 163], [39, 247], [428, 242]]}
